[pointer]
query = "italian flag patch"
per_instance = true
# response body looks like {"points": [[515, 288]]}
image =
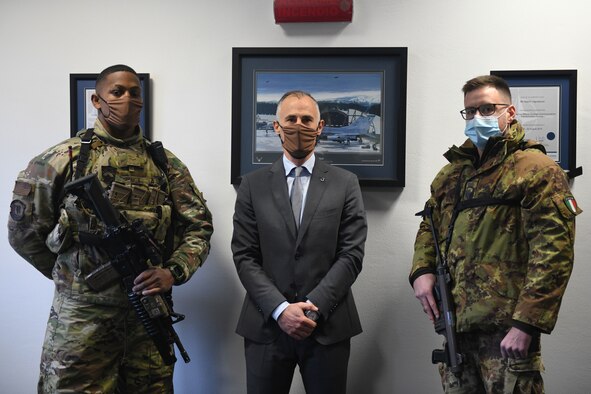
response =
{"points": [[571, 204]]}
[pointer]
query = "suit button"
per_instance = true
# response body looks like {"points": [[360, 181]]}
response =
{"points": [[297, 256]]}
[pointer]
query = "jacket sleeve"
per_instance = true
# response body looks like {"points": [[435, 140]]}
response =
{"points": [[548, 213], [424, 259], [349, 254], [34, 209], [247, 254], [191, 220]]}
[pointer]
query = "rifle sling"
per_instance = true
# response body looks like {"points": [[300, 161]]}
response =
{"points": [[82, 161], [461, 205]]}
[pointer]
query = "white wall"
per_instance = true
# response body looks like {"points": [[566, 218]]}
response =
{"points": [[186, 47]]}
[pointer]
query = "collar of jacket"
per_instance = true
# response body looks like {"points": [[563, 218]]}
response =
{"points": [[104, 135], [497, 149]]}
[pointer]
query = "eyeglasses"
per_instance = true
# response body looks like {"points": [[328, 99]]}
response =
{"points": [[485, 110]]}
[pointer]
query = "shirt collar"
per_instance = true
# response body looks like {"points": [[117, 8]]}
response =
{"points": [[309, 164]]}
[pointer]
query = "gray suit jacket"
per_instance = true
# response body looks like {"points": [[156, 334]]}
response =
{"points": [[320, 262]]}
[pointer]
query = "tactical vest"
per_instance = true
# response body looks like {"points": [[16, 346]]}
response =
{"points": [[136, 182]]}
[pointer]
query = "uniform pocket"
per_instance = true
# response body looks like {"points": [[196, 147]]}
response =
{"points": [[529, 364], [524, 375], [60, 238]]}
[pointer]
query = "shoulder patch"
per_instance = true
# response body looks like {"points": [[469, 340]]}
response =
{"points": [[22, 188], [17, 210], [571, 204]]}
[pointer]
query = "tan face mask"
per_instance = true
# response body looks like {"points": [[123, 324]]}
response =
{"points": [[122, 112], [299, 140]]}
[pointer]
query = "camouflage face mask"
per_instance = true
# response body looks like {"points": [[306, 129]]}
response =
{"points": [[122, 112], [299, 140]]}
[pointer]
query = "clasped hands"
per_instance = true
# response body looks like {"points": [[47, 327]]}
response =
{"points": [[295, 323]]}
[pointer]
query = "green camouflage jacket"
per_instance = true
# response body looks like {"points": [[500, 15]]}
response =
{"points": [[45, 225], [510, 264]]}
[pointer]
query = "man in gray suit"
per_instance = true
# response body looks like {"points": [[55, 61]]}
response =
{"points": [[297, 260]]}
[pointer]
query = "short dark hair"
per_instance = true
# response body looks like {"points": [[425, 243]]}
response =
{"points": [[113, 69], [487, 80], [299, 94]]}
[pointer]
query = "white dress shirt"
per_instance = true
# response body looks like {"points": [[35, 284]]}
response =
{"points": [[305, 180]]}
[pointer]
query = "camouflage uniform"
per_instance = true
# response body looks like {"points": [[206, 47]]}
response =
{"points": [[510, 264], [94, 343], [486, 371]]}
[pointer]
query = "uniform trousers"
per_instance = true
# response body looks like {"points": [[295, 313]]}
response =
{"points": [[92, 348], [486, 371], [270, 367]]}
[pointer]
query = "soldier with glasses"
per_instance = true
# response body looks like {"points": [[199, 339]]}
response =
{"points": [[506, 223]]}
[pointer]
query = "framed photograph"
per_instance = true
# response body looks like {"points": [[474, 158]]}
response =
{"points": [[546, 102], [82, 112], [361, 93]]}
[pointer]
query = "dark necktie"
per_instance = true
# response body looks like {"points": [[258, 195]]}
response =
{"points": [[297, 196]]}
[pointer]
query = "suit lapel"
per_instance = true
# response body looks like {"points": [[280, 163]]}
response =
{"points": [[316, 188], [280, 195]]}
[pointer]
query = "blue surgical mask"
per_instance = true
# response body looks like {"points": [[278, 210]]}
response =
{"points": [[480, 128]]}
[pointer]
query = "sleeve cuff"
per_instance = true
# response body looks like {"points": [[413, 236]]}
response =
{"points": [[419, 272], [279, 310], [528, 329]]}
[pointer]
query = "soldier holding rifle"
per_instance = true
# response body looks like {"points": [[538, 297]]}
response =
{"points": [[505, 217], [95, 339]]}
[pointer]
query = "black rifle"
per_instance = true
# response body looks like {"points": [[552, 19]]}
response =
{"points": [[132, 251], [446, 323]]}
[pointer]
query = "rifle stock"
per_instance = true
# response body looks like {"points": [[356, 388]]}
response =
{"points": [[133, 251]]}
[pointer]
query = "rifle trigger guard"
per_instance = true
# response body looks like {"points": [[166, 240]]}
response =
{"points": [[177, 317]]}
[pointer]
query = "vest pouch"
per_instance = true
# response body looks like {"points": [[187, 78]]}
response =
{"points": [[102, 277], [156, 219], [139, 196], [120, 194], [156, 197]]}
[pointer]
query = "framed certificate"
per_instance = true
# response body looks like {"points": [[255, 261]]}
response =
{"points": [[546, 103]]}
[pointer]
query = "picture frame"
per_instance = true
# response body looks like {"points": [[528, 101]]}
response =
{"points": [[546, 102], [361, 93], [82, 112]]}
